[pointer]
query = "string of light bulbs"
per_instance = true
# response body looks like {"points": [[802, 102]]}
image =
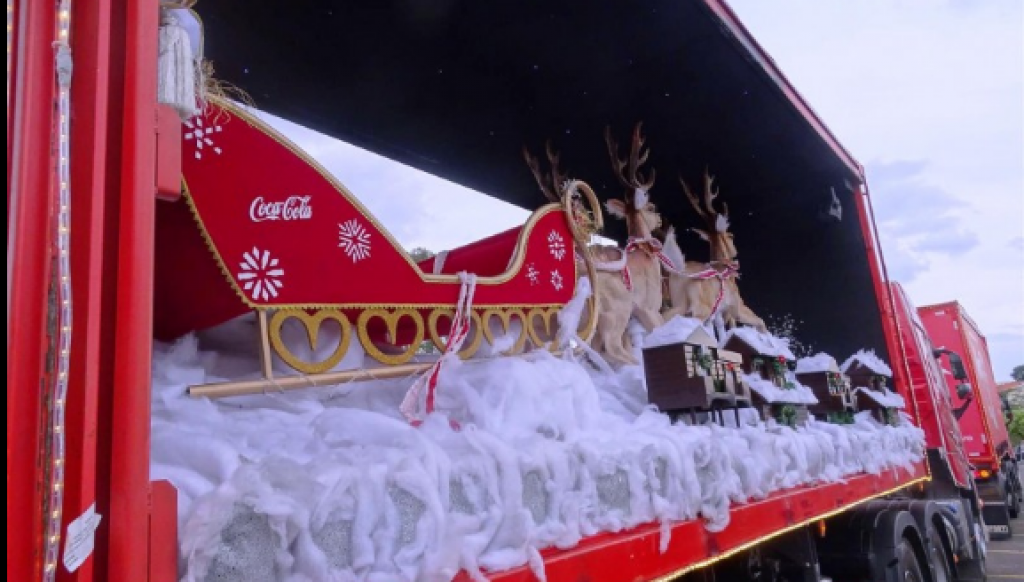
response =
{"points": [[10, 47], [63, 70]]}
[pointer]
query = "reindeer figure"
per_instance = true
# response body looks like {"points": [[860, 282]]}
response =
{"points": [[614, 299], [643, 267], [707, 291]]}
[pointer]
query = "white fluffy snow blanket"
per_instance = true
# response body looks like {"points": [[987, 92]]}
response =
{"points": [[332, 484]]}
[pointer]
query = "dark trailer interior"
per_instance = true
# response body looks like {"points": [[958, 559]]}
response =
{"points": [[457, 88]]}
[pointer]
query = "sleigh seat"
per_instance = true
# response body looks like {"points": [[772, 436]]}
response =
{"points": [[487, 257], [261, 226]]}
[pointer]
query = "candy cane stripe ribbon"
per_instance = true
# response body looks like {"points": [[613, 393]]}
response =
{"points": [[729, 272], [461, 324]]}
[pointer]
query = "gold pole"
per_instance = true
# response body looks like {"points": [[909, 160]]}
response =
{"points": [[262, 385]]}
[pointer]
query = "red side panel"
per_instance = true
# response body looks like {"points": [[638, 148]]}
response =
{"points": [[635, 555], [933, 403], [163, 533], [982, 425]]}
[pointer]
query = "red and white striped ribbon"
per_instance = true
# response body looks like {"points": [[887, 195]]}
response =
{"points": [[461, 325]]}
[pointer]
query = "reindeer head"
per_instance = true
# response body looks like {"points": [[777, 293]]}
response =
{"points": [[636, 208], [716, 224]]}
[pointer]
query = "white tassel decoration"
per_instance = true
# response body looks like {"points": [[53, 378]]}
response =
{"points": [[176, 69]]}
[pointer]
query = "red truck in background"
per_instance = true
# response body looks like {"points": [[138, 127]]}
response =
{"points": [[979, 410]]}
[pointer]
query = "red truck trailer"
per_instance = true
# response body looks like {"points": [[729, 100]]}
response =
{"points": [[90, 151], [980, 412]]}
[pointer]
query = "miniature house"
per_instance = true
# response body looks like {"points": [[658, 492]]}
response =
{"points": [[787, 406], [774, 389], [869, 377], [831, 387], [763, 355], [685, 370]]}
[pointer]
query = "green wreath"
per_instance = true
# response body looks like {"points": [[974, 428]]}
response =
{"points": [[835, 384], [702, 360], [787, 415]]}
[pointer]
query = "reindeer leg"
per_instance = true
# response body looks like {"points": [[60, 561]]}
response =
{"points": [[612, 333], [650, 319], [747, 317], [719, 320]]}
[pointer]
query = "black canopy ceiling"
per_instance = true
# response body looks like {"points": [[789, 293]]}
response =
{"points": [[456, 88]]}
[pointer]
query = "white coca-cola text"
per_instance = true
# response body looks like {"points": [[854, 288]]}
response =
{"points": [[293, 208]]}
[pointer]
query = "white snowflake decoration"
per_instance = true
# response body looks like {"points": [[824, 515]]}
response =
{"points": [[200, 136], [556, 245], [260, 274], [556, 280], [354, 239], [532, 274]]}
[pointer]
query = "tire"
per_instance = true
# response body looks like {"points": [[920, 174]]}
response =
{"points": [[939, 560], [907, 565], [973, 570], [1013, 500]]}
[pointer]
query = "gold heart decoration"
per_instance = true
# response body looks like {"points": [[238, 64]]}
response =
{"points": [[468, 347], [312, 324], [505, 316], [547, 318], [391, 319]]}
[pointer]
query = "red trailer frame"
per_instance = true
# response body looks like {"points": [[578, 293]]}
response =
{"points": [[113, 180]]}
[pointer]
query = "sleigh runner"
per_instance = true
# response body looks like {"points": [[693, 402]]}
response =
{"points": [[262, 227]]}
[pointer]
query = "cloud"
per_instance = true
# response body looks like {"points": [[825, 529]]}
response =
{"points": [[1006, 350], [1017, 243], [917, 219], [957, 242]]}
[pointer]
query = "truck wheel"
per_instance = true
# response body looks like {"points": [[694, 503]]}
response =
{"points": [[971, 571], [974, 570], [908, 567], [937, 556]]}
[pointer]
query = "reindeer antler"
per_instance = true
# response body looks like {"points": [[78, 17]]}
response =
{"points": [[632, 178], [708, 213], [550, 183]]}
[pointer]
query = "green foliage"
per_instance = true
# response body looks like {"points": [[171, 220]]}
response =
{"points": [[1018, 373], [420, 254], [1016, 426]]}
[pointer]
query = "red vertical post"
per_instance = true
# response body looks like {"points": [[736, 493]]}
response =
{"points": [[12, 75], [130, 416], [29, 238], [90, 89]]}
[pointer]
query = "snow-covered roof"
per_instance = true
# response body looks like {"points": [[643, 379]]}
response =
{"points": [[820, 362], [677, 330], [869, 360], [763, 343], [771, 393], [886, 397]]}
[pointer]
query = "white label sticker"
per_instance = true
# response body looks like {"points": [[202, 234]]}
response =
{"points": [[80, 538]]}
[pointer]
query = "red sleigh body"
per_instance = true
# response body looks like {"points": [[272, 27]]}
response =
{"points": [[262, 226]]}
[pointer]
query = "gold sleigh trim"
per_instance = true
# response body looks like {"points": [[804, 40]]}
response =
{"points": [[481, 329]]}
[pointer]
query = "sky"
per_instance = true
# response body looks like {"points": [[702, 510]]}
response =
{"points": [[927, 94]]}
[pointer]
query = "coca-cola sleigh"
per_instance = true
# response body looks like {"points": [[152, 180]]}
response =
{"points": [[262, 227]]}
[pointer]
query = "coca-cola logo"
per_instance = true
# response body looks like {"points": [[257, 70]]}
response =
{"points": [[293, 208]]}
